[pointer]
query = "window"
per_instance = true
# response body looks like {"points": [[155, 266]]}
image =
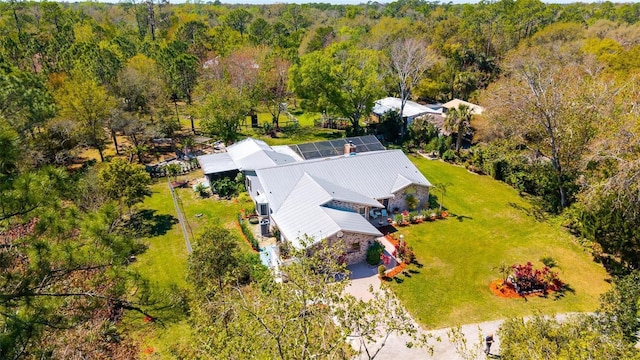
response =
{"points": [[263, 209], [353, 247], [362, 211], [248, 184]]}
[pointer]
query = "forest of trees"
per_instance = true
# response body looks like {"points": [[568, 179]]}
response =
{"points": [[560, 84]]}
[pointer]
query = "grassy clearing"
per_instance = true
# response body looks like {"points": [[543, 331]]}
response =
{"points": [[164, 263], [489, 223]]}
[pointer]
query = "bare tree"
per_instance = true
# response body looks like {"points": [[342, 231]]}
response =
{"points": [[551, 100], [408, 61]]}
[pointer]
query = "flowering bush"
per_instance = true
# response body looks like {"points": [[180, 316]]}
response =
{"points": [[405, 252], [527, 279]]}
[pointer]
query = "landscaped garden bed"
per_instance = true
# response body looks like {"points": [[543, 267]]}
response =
{"points": [[525, 280]]}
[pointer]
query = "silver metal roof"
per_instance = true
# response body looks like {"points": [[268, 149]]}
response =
{"points": [[372, 174], [251, 154], [341, 194], [411, 109], [216, 163], [248, 154], [303, 214]]}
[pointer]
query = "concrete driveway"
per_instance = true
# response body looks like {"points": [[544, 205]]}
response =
{"points": [[363, 277]]}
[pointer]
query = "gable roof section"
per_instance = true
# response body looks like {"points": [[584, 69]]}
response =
{"points": [[351, 222], [372, 174], [341, 194], [251, 154], [401, 183], [248, 154], [216, 163], [302, 213], [411, 109], [455, 103]]}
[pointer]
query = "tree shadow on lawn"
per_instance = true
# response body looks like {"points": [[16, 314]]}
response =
{"points": [[536, 212], [556, 295], [461, 218], [150, 224]]}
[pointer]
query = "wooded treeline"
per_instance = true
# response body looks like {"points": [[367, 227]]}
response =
{"points": [[559, 82]]}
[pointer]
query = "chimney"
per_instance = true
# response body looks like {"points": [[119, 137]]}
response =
{"points": [[349, 149]]}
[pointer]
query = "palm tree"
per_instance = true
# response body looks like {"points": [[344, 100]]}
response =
{"points": [[504, 270], [443, 190], [459, 121], [173, 170], [187, 145]]}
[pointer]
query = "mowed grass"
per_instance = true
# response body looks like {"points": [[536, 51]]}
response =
{"points": [[164, 263], [489, 223]]}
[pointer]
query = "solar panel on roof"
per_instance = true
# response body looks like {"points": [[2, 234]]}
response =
{"points": [[335, 147], [329, 152], [307, 147], [336, 143], [375, 147], [324, 146]]}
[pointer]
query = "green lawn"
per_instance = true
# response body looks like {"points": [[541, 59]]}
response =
{"points": [[489, 223], [165, 261]]}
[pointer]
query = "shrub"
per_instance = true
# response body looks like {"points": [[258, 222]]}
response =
{"points": [[248, 234], [449, 155], [373, 253], [412, 201], [527, 278], [225, 188], [275, 232], [201, 190], [292, 128], [381, 270], [405, 253], [285, 251], [268, 129]]}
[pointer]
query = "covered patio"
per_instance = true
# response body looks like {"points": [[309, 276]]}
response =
{"points": [[379, 217]]}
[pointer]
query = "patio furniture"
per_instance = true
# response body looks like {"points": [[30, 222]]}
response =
{"points": [[384, 213], [373, 214]]}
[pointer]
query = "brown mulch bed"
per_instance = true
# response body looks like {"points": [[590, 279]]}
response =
{"points": [[396, 270], [508, 292], [395, 242]]}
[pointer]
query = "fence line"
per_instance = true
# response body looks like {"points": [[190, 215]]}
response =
{"points": [[181, 219]]}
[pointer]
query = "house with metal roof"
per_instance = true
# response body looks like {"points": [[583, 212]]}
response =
{"points": [[340, 190], [343, 198], [434, 113]]}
